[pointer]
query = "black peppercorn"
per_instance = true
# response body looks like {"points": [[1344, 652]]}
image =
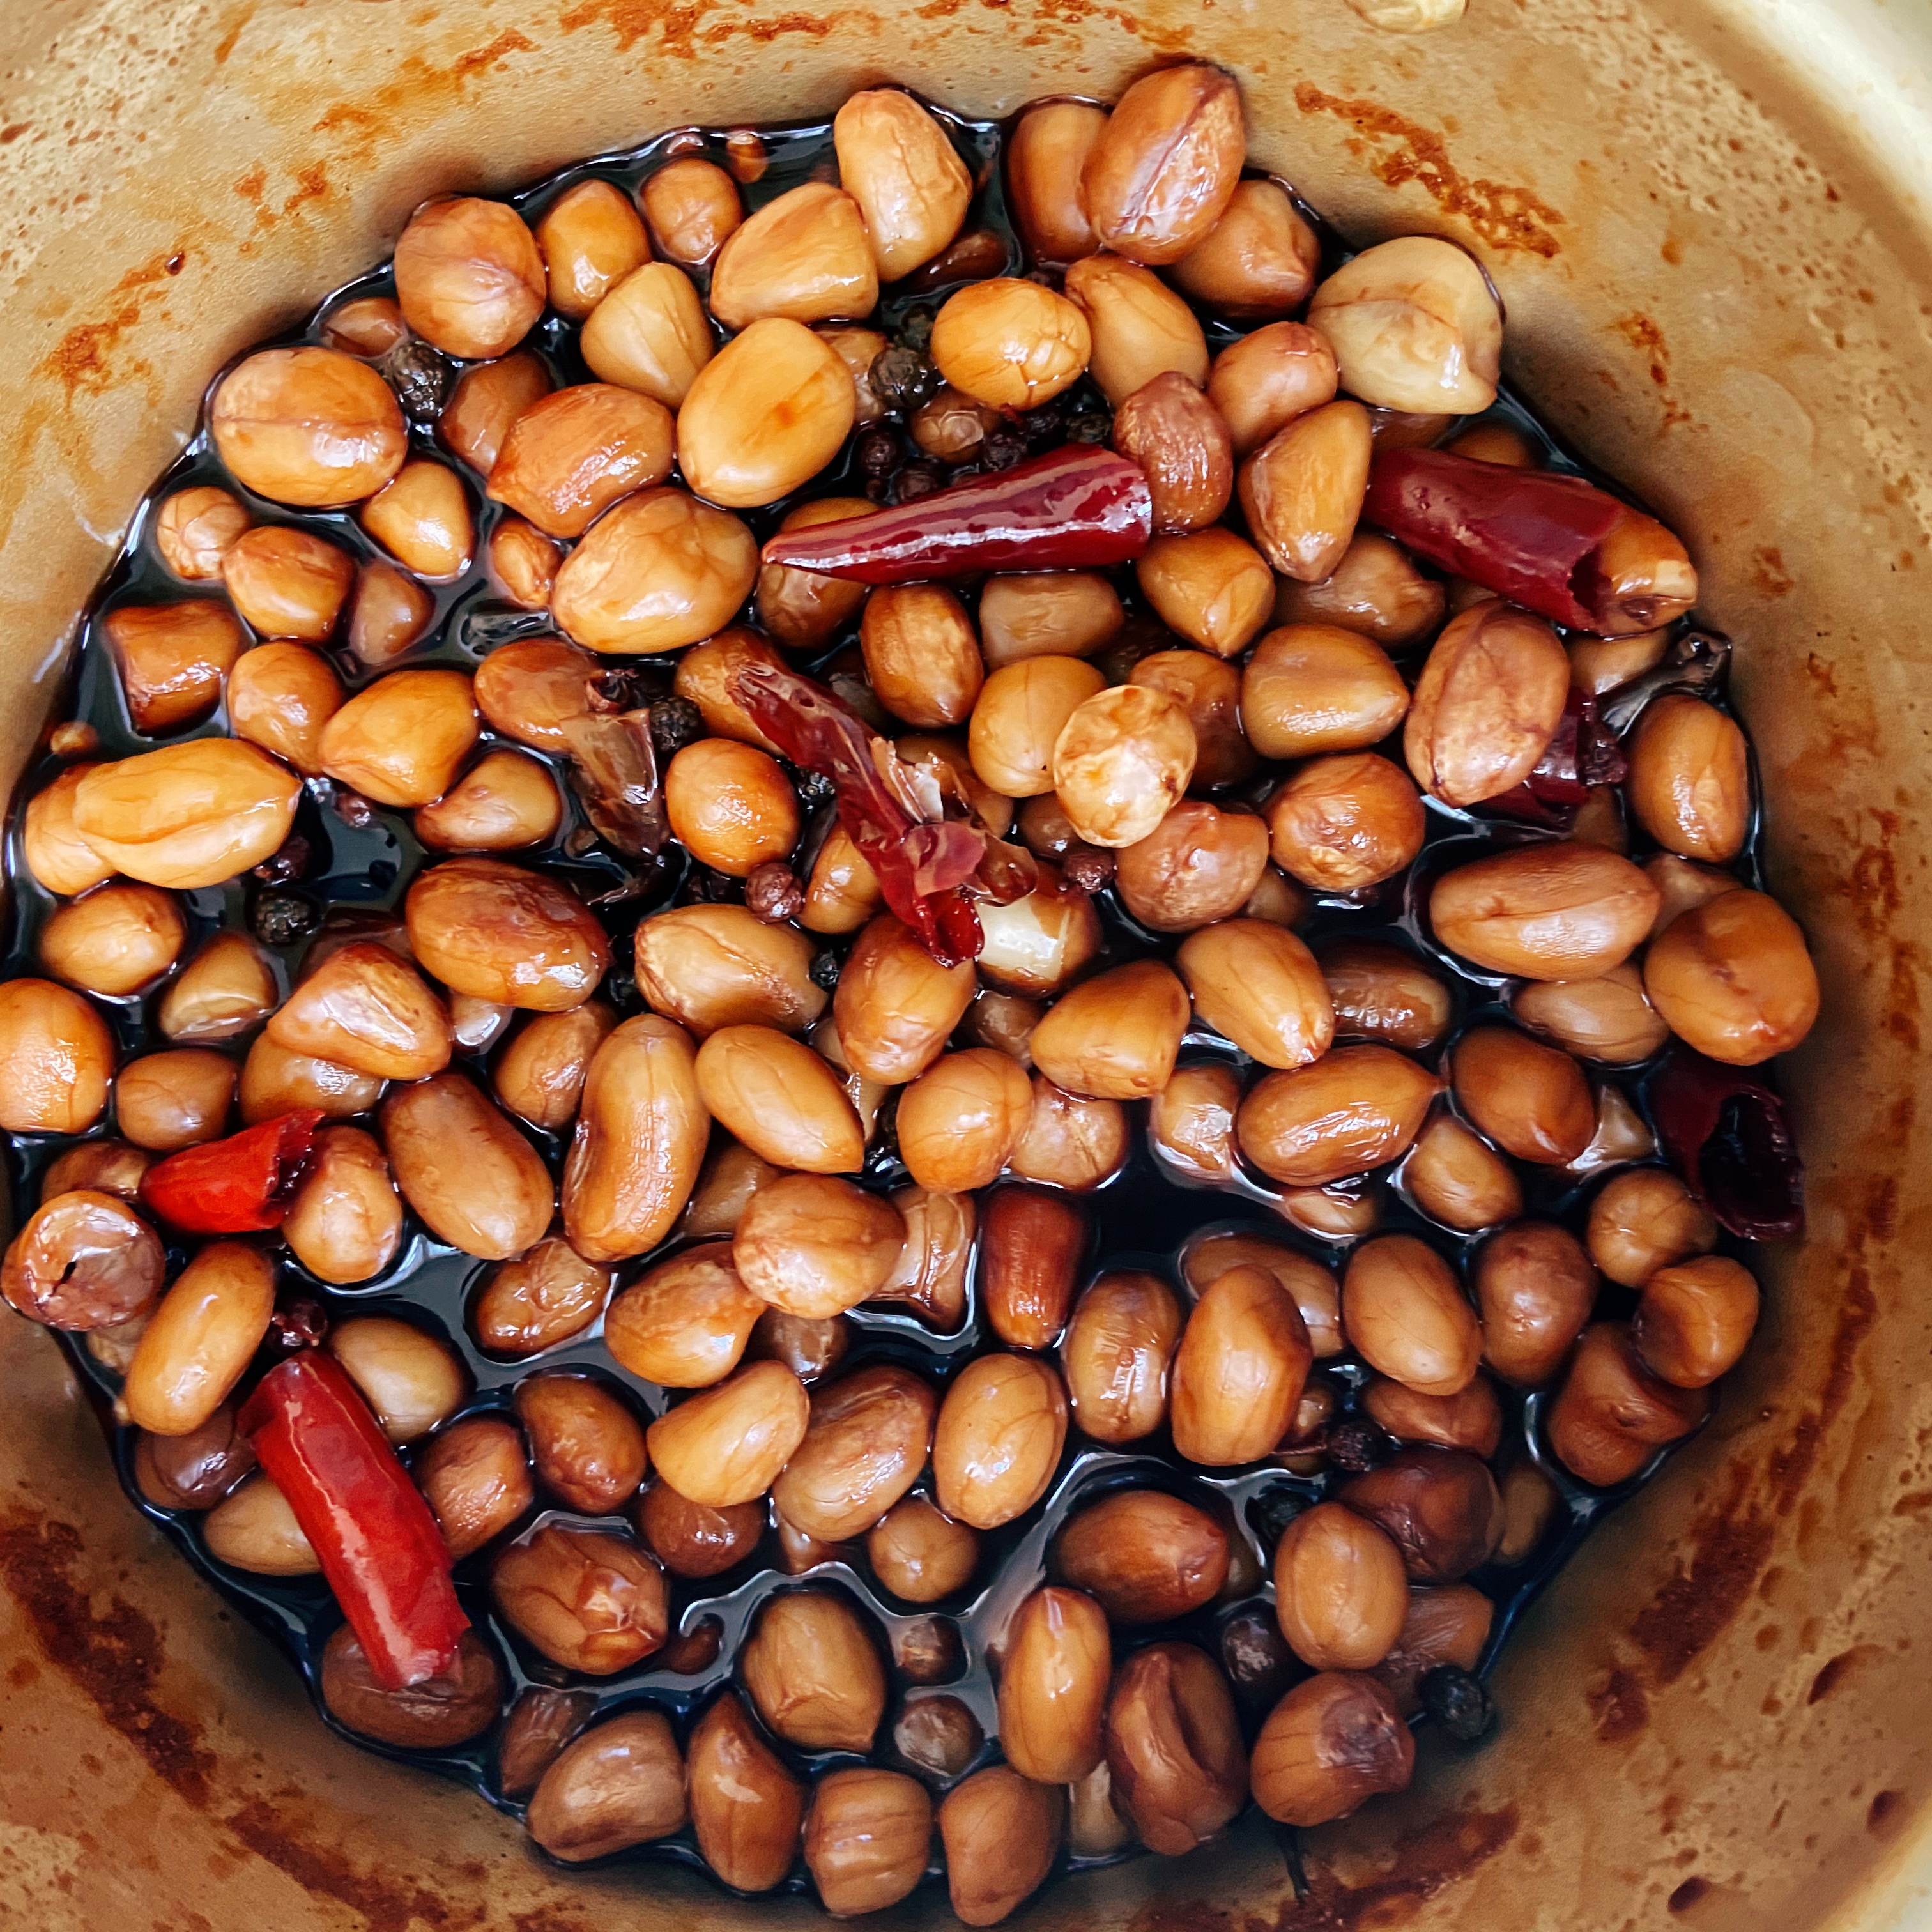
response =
{"points": [[772, 892], [825, 967], [1355, 1444], [916, 480], [814, 789], [1094, 426], [353, 809], [902, 378], [1002, 449], [290, 862], [281, 919], [879, 451], [916, 332], [420, 378], [676, 722], [1273, 1510], [1087, 868], [1458, 1701], [1042, 426]]}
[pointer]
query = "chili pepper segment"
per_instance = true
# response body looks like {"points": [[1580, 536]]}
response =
{"points": [[1727, 1135], [238, 1186], [1072, 509], [1554, 545], [380, 1546]]}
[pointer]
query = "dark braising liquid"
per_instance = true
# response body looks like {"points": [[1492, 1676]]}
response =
{"points": [[1144, 1219]]}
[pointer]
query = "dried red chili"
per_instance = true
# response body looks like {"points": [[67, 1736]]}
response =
{"points": [[1583, 753], [1536, 538], [1727, 1134], [379, 1545], [1073, 508], [921, 864], [236, 1186]]}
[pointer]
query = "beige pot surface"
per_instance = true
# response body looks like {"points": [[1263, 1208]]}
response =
{"points": [[1712, 221]]}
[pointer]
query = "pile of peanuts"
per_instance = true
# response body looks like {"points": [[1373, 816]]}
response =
{"points": [[790, 1132]]}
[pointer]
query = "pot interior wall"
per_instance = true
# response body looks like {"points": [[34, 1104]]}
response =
{"points": [[1718, 286]]}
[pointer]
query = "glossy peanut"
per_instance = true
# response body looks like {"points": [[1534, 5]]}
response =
{"points": [[1350, 1111], [1329, 1745], [172, 657], [1532, 1100], [1239, 1370], [422, 519], [930, 1275], [389, 611], [591, 237], [867, 1838], [621, 1783], [1606, 1018], [475, 1476], [1001, 1833], [1209, 690], [813, 1246], [711, 966], [1341, 1592], [1054, 1677], [56, 1059], [805, 256], [1544, 911], [402, 740], [102, 1166], [568, 457], [585, 1444], [1208, 585], [365, 1009], [921, 654], [112, 941], [1301, 491], [869, 1439], [691, 206], [730, 806], [502, 933], [1488, 702], [309, 427], [998, 1438], [1345, 822], [196, 1470], [1613, 1414], [1645, 1220], [469, 277], [729, 1178], [466, 1171], [693, 1539], [253, 1528], [1457, 1178], [649, 335], [1314, 688], [539, 1076], [895, 160], [1114, 1036], [1174, 1746], [195, 814], [1191, 1122], [412, 1380], [1045, 155], [959, 1122], [802, 608], [1402, 1308], [894, 1007], [55, 853], [1374, 589], [1011, 344], [1689, 778], [685, 1323], [276, 1081], [1177, 437], [1258, 261], [1071, 1141], [1695, 1319], [194, 529], [1139, 328], [200, 1339], [1733, 979], [1259, 986], [746, 1808], [1311, 1286], [540, 1723], [345, 1222], [769, 411], [486, 402], [1414, 327], [1470, 1420], [505, 801], [921, 1554], [1116, 1355], [1262, 382], [1440, 1507], [588, 1600], [813, 1673], [728, 1444], [781, 1100], [1039, 942], [1166, 164], [660, 570]]}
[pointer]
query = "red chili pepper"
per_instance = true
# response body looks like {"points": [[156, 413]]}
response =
{"points": [[1524, 534], [235, 1186], [1727, 1134], [380, 1548], [1583, 753], [920, 864], [1073, 508]]}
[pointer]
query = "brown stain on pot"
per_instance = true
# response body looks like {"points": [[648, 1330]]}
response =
{"points": [[1647, 339], [113, 1655], [383, 1904], [1619, 1705], [78, 361], [417, 83], [1508, 218]]}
